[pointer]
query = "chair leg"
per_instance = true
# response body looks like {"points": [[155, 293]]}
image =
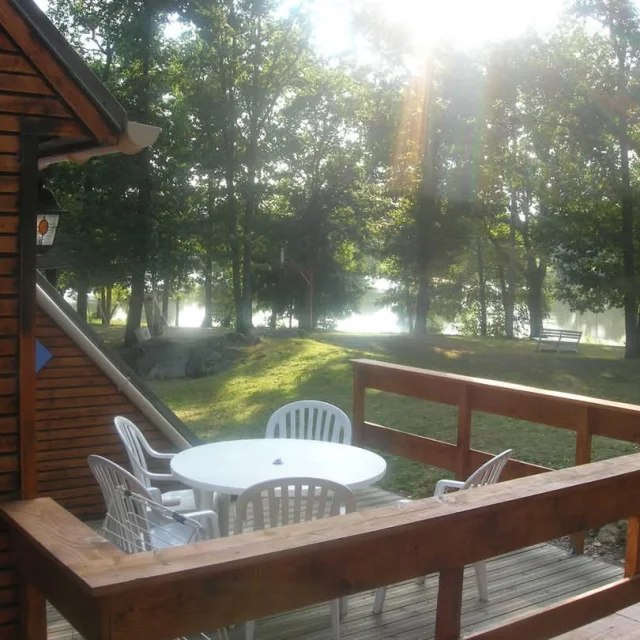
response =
{"points": [[249, 629], [421, 580], [378, 601], [335, 618], [344, 606], [481, 579]]}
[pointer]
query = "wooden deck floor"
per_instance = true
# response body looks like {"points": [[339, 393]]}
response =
{"points": [[519, 582]]}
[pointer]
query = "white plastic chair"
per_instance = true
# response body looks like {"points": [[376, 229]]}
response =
{"points": [[310, 420], [289, 500], [112, 477], [488, 473], [137, 449], [135, 523]]}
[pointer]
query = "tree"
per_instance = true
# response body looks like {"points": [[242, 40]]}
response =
{"points": [[592, 232]]}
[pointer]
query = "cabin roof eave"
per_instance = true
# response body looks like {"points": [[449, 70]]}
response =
{"points": [[112, 112]]}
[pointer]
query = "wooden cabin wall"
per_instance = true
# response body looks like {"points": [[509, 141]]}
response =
{"points": [[24, 94], [9, 341], [75, 407]]}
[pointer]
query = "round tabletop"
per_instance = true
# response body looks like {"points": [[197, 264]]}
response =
{"points": [[235, 465]]}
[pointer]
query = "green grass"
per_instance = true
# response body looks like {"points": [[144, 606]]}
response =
{"points": [[237, 403]]}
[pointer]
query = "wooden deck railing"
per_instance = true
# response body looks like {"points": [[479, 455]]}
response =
{"points": [[108, 595], [583, 415]]}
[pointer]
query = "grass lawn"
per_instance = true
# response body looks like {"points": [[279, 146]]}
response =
{"points": [[237, 403]]}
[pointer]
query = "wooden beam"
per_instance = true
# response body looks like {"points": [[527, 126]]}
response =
{"points": [[449, 604], [612, 419], [358, 407], [632, 559], [435, 452], [583, 456], [27, 348], [33, 607], [565, 616], [183, 590], [463, 442]]}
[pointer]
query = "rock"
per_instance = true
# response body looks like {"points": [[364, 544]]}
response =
{"points": [[174, 358], [231, 354], [158, 358], [609, 534]]}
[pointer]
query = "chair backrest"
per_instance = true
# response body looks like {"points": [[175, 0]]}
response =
{"points": [[288, 500], [310, 420], [134, 442], [112, 478], [489, 472], [111, 475]]}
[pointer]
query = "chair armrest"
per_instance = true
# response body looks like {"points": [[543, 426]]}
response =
{"points": [[158, 477], [208, 520], [159, 455], [154, 492], [444, 486]]}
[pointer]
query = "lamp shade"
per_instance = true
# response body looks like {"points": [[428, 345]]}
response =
{"points": [[47, 219]]}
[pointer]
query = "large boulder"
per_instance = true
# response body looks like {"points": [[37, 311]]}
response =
{"points": [[160, 358]]}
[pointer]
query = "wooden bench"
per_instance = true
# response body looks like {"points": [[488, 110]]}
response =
{"points": [[558, 340]]}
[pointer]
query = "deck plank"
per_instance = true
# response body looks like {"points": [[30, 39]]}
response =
{"points": [[519, 582]]}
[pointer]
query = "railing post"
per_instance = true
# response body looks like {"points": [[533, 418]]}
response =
{"points": [[463, 441], [583, 456], [632, 558], [358, 404], [33, 613], [449, 605]]}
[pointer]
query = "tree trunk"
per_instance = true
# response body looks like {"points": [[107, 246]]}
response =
{"points": [[251, 207], [102, 307], [104, 300], [482, 287], [143, 213], [423, 301], [273, 319], [510, 299], [207, 320], [409, 306], [82, 305], [229, 135], [535, 274], [177, 323], [110, 309], [504, 295], [427, 205], [208, 265], [166, 295], [306, 318], [631, 325]]}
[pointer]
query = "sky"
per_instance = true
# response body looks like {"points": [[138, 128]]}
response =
{"points": [[468, 23]]}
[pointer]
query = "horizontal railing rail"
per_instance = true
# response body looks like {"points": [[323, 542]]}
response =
{"points": [[106, 594], [583, 415]]}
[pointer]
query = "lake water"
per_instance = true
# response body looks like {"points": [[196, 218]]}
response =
{"points": [[604, 328]]}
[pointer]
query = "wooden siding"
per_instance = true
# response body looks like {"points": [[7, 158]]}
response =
{"points": [[75, 407], [26, 96]]}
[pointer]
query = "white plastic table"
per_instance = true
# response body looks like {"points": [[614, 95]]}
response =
{"points": [[230, 467]]}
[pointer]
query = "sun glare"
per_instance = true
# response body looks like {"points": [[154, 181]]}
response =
{"points": [[466, 23]]}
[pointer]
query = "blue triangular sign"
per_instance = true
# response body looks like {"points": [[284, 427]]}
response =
{"points": [[43, 355]]}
